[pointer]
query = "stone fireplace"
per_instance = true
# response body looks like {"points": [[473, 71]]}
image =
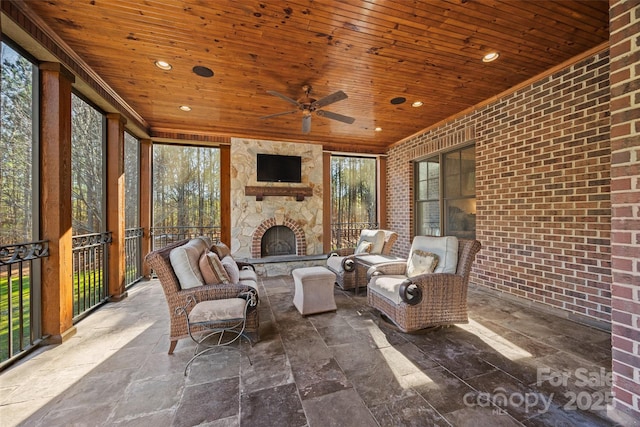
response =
{"points": [[290, 222]]}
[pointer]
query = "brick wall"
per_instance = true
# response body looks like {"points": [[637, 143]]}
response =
{"points": [[542, 188], [625, 201]]}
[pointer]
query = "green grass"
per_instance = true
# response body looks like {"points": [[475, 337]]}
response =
{"points": [[95, 292], [15, 313]]}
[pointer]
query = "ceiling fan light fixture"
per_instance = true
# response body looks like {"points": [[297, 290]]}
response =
{"points": [[163, 65], [308, 105], [491, 56]]}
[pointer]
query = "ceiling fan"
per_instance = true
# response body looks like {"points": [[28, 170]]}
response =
{"points": [[309, 105]]}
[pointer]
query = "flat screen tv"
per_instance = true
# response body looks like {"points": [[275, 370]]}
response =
{"points": [[278, 168]]}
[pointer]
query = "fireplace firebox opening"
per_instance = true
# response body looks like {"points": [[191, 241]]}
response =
{"points": [[278, 240], [288, 238]]}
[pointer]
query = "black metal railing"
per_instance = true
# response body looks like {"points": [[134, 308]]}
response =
{"points": [[20, 297], [90, 272], [132, 256], [346, 234], [163, 236]]}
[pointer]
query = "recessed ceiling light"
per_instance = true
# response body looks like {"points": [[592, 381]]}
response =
{"points": [[417, 104], [378, 129], [491, 56], [185, 108], [163, 65], [398, 100]]}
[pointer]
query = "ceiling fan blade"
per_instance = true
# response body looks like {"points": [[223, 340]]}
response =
{"points": [[335, 116], [279, 114], [334, 97], [286, 98], [306, 124]]}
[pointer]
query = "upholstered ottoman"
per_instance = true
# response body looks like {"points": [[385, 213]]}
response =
{"points": [[313, 290]]}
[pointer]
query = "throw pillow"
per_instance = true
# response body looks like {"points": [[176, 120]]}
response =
{"points": [[421, 262], [446, 247], [221, 250], [363, 248], [376, 237], [184, 261], [219, 273], [231, 268]]}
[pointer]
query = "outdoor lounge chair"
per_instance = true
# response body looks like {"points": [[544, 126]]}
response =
{"points": [[342, 261], [177, 296], [413, 299]]}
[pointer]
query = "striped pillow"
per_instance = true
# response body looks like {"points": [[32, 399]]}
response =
{"points": [[213, 272]]}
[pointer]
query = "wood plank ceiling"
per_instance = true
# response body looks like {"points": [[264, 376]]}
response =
{"points": [[374, 51]]}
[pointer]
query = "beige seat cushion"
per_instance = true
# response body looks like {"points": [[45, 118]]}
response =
{"points": [[387, 286], [334, 263], [217, 310], [248, 274]]}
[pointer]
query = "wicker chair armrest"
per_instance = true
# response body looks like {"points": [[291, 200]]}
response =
{"points": [[212, 292], [387, 268], [436, 279], [437, 287], [349, 263], [245, 266], [342, 252]]}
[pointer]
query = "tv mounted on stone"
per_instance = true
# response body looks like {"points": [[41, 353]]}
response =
{"points": [[279, 168]]}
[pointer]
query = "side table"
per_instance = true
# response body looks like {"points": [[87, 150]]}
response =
{"points": [[364, 262]]}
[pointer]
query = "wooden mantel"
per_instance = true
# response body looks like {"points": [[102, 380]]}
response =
{"points": [[260, 191]]}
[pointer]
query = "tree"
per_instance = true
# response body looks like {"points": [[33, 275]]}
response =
{"points": [[16, 144], [186, 186], [353, 197], [87, 154]]}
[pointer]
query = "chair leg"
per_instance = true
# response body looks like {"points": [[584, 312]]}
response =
{"points": [[237, 336], [172, 346]]}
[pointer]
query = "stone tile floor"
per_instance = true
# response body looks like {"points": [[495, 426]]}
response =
{"points": [[510, 366]]}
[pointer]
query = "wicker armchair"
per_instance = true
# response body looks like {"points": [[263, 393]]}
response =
{"points": [[432, 299], [177, 297], [342, 261]]}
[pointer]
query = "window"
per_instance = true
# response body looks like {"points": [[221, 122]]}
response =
{"points": [[87, 167], [353, 198], [445, 194], [186, 192], [131, 181], [17, 142]]}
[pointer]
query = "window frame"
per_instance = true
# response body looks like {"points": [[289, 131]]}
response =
{"points": [[443, 199]]}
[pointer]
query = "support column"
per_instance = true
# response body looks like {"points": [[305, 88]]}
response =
{"points": [[55, 201], [624, 40], [115, 205], [326, 202], [146, 199], [382, 191], [225, 194]]}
